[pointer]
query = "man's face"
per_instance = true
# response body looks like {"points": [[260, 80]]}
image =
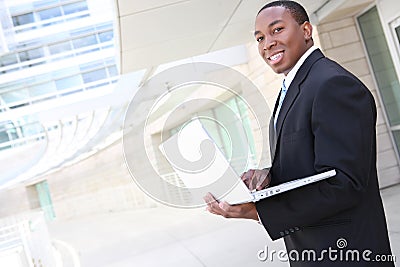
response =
{"points": [[281, 40]]}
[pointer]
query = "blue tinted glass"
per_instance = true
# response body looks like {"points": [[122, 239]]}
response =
{"points": [[113, 71], [15, 96], [59, 74], [50, 13], [90, 65], [106, 36], [41, 89], [68, 82], [23, 19], [44, 3], [8, 59], [26, 7], [94, 75], [75, 7], [85, 41], [81, 31], [31, 54], [60, 47], [104, 26]]}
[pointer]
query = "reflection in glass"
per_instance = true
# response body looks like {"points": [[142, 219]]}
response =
{"points": [[382, 63]]}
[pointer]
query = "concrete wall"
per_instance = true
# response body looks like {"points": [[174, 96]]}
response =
{"points": [[341, 41], [98, 184]]}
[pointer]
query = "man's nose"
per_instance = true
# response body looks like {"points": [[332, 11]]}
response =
{"points": [[269, 43]]}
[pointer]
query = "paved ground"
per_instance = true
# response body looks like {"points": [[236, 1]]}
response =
{"points": [[173, 237]]}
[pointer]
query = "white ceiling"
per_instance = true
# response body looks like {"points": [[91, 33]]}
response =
{"points": [[153, 32]]}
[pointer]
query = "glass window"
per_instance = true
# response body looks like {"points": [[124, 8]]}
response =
{"points": [[94, 75], [29, 43], [41, 89], [8, 59], [46, 204], [44, 3], [110, 61], [41, 78], [104, 26], [60, 47], [381, 63], [68, 82], [54, 38], [50, 13], [15, 96], [84, 41], [19, 9], [11, 86], [90, 66], [75, 7], [106, 36], [81, 31], [396, 135], [31, 54], [113, 71], [60, 74], [23, 19]]}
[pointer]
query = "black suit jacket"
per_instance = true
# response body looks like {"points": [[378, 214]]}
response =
{"points": [[327, 121]]}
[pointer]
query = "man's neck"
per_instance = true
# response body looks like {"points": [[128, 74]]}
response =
{"points": [[292, 73]]}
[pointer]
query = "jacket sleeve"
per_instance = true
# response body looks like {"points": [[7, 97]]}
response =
{"points": [[343, 126]]}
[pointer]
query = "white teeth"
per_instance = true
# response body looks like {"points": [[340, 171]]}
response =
{"points": [[276, 56]]}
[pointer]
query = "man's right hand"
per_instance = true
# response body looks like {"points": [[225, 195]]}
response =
{"points": [[256, 179]]}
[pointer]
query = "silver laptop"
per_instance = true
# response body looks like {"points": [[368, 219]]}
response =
{"points": [[203, 168]]}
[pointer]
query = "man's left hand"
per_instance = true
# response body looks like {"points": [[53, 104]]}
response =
{"points": [[244, 211]]}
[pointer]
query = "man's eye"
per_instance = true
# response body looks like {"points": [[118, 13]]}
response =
{"points": [[276, 30], [259, 39]]}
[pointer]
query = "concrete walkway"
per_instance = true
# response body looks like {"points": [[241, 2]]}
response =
{"points": [[173, 237]]}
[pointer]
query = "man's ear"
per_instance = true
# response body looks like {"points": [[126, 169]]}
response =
{"points": [[307, 29]]}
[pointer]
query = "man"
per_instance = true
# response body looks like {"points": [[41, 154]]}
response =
{"points": [[325, 121]]}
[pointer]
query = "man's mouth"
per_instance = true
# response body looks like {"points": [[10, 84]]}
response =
{"points": [[276, 58]]}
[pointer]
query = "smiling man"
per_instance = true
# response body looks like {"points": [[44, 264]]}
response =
{"points": [[324, 118]]}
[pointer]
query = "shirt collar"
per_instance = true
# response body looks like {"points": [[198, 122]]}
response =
{"points": [[292, 73]]}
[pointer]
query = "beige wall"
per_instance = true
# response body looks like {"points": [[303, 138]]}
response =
{"points": [[341, 42], [98, 184]]}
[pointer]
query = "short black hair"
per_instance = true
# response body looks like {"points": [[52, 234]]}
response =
{"points": [[295, 9]]}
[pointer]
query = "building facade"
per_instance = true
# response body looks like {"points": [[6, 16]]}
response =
{"points": [[362, 35], [51, 49]]}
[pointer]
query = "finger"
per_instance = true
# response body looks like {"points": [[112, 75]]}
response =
{"points": [[224, 206], [229, 209], [211, 210], [215, 208], [214, 212], [247, 175], [264, 182], [253, 183], [209, 198], [212, 204], [233, 211]]}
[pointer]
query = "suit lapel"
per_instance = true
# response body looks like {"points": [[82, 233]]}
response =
{"points": [[293, 92], [290, 97], [272, 132], [272, 138]]}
